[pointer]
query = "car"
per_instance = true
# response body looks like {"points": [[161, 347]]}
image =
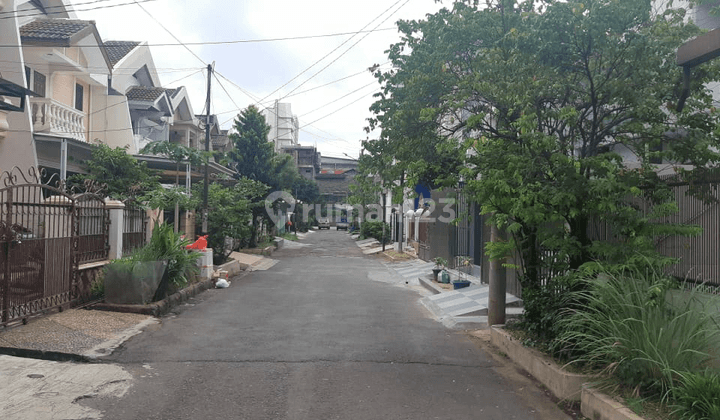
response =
{"points": [[342, 224], [323, 223]]}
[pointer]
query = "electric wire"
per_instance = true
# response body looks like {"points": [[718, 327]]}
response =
{"points": [[338, 99], [241, 41], [330, 83], [71, 9], [346, 51], [57, 7], [328, 54], [170, 33], [185, 77]]}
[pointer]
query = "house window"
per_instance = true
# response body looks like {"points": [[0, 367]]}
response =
{"points": [[39, 83], [35, 81], [78, 97], [656, 159]]}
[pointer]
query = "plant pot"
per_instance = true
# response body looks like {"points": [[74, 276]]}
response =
{"points": [[444, 277], [435, 273], [459, 284], [133, 283]]}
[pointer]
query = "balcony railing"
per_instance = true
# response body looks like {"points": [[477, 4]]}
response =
{"points": [[50, 116]]}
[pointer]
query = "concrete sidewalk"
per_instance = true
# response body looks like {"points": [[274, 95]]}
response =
{"points": [[453, 308], [74, 334]]}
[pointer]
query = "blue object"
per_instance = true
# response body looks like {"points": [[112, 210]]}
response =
{"points": [[459, 284]]}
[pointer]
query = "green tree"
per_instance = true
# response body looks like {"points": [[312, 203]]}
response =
{"points": [[253, 154], [230, 211], [123, 175], [546, 96], [178, 154], [253, 157]]}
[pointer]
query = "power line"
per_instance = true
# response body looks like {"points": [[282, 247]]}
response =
{"points": [[168, 31], [328, 54], [351, 47], [232, 42], [16, 14], [226, 92], [257, 101], [330, 83], [63, 7], [185, 77], [115, 71], [342, 97], [338, 110]]}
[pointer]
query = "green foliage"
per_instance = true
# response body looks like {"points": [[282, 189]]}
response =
{"points": [[626, 324], [541, 94], [165, 244], [124, 176], [165, 198], [698, 396], [253, 153], [230, 210], [440, 262], [175, 152], [97, 288], [254, 158], [289, 236], [374, 229]]}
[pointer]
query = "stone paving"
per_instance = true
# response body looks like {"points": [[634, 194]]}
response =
{"points": [[467, 305], [73, 332]]}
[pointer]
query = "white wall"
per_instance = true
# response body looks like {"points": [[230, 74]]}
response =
{"points": [[140, 56], [18, 147]]}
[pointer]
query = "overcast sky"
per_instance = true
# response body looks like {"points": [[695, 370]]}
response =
{"points": [[331, 117]]}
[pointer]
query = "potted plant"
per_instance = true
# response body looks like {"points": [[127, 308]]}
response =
{"points": [[160, 268], [440, 264], [463, 268]]}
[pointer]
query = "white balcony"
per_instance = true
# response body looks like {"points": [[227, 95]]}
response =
{"points": [[50, 116]]}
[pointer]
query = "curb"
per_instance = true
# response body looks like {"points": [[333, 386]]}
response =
{"points": [[53, 356], [428, 284], [161, 307]]}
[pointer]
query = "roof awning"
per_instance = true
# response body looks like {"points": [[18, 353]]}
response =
{"points": [[9, 89]]}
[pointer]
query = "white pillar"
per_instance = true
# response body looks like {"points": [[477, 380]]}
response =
{"points": [[206, 263], [115, 236], [4, 126]]}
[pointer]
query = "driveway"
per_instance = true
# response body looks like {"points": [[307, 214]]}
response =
{"points": [[320, 335]]}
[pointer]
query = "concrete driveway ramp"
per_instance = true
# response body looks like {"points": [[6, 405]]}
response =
{"points": [[470, 300], [253, 262]]}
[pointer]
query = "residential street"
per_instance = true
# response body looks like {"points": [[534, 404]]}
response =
{"points": [[324, 334]]}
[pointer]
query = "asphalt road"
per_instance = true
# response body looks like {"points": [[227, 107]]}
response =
{"points": [[316, 337]]}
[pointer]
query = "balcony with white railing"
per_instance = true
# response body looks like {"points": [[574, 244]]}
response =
{"points": [[50, 116]]}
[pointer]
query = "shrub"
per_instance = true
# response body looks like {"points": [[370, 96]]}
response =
{"points": [[165, 244], [374, 229], [625, 324], [698, 396]]}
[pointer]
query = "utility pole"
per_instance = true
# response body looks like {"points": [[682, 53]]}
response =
{"points": [[496, 298], [384, 212], [207, 149]]}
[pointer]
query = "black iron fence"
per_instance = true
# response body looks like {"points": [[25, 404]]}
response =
{"points": [[38, 246], [134, 227], [93, 222]]}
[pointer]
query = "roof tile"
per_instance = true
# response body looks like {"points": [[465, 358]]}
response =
{"points": [[118, 49], [52, 29], [144, 93]]}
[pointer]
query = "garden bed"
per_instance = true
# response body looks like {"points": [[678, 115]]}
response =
{"points": [[160, 307], [564, 385]]}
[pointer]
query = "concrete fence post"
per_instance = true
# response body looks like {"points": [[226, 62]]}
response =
{"points": [[115, 235]]}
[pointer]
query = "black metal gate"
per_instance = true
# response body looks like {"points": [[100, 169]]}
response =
{"points": [[38, 246]]}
